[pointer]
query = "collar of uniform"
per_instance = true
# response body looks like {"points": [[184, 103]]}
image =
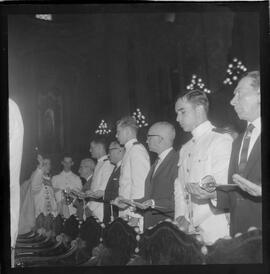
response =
{"points": [[201, 129], [256, 123], [164, 153], [118, 164], [88, 178], [129, 144], [105, 157]]}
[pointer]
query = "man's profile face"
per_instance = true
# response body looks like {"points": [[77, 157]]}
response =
{"points": [[186, 114], [114, 153], [47, 165], [153, 139], [67, 163], [121, 134], [94, 150], [246, 100], [85, 169]]}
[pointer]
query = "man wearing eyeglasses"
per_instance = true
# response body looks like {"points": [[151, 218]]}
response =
{"points": [[207, 153], [116, 153], [158, 198]]}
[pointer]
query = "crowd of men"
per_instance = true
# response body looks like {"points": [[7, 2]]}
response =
{"points": [[122, 183]]}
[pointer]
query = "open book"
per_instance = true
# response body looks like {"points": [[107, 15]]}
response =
{"points": [[137, 204]]}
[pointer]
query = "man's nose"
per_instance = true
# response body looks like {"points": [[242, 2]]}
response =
{"points": [[232, 102]]}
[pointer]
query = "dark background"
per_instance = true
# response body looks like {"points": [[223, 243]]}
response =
{"points": [[103, 65]]}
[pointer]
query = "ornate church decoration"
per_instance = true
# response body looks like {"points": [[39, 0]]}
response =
{"points": [[234, 71], [103, 128], [140, 118], [197, 83]]}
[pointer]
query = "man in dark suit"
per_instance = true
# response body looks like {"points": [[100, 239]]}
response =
{"points": [[116, 153], [86, 171], [158, 200], [244, 201]]}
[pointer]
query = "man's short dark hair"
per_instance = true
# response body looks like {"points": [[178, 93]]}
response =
{"points": [[255, 77], [66, 155], [101, 140], [196, 97], [128, 121]]}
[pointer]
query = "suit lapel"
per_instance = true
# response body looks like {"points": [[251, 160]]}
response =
{"points": [[164, 163], [235, 155], [148, 185], [254, 154]]}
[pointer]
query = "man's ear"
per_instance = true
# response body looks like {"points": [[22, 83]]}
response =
{"points": [[259, 95], [199, 109]]}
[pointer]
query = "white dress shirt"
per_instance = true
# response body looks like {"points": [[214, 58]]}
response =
{"points": [[161, 157], [16, 132], [256, 132], [207, 153], [134, 169], [102, 173]]}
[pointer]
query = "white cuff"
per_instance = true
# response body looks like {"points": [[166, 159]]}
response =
{"points": [[214, 202]]}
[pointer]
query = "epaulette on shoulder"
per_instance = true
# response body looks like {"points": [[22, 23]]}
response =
{"points": [[136, 143], [105, 160], [221, 130]]}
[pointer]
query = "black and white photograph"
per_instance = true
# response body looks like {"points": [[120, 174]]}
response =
{"points": [[134, 133]]}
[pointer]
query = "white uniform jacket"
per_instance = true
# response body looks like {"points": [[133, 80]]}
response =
{"points": [[134, 169], [102, 173], [207, 153]]}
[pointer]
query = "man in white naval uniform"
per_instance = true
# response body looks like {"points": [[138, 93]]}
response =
{"points": [[102, 173], [65, 180], [207, 153], [134, 169]]}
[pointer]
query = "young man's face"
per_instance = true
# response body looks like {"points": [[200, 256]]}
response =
{"points": [[186, 114], [67, 163], [121, 134], [94, 150]]}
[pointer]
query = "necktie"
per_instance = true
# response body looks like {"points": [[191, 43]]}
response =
{"points": [[154, 167], [244, 151]]}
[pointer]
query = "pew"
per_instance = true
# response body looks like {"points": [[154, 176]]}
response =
{"points": [[73, 242], [241, 249], [117, 245], [165, 244]]}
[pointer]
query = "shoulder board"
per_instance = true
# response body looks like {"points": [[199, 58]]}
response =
{"points": [[105, 160], [221, 130], [136, 143]]}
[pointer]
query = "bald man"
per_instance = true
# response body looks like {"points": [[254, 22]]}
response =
{"points": [[158, 200], [86, 171]]}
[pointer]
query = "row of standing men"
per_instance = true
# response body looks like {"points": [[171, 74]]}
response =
{"points": [[171, 188]]}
